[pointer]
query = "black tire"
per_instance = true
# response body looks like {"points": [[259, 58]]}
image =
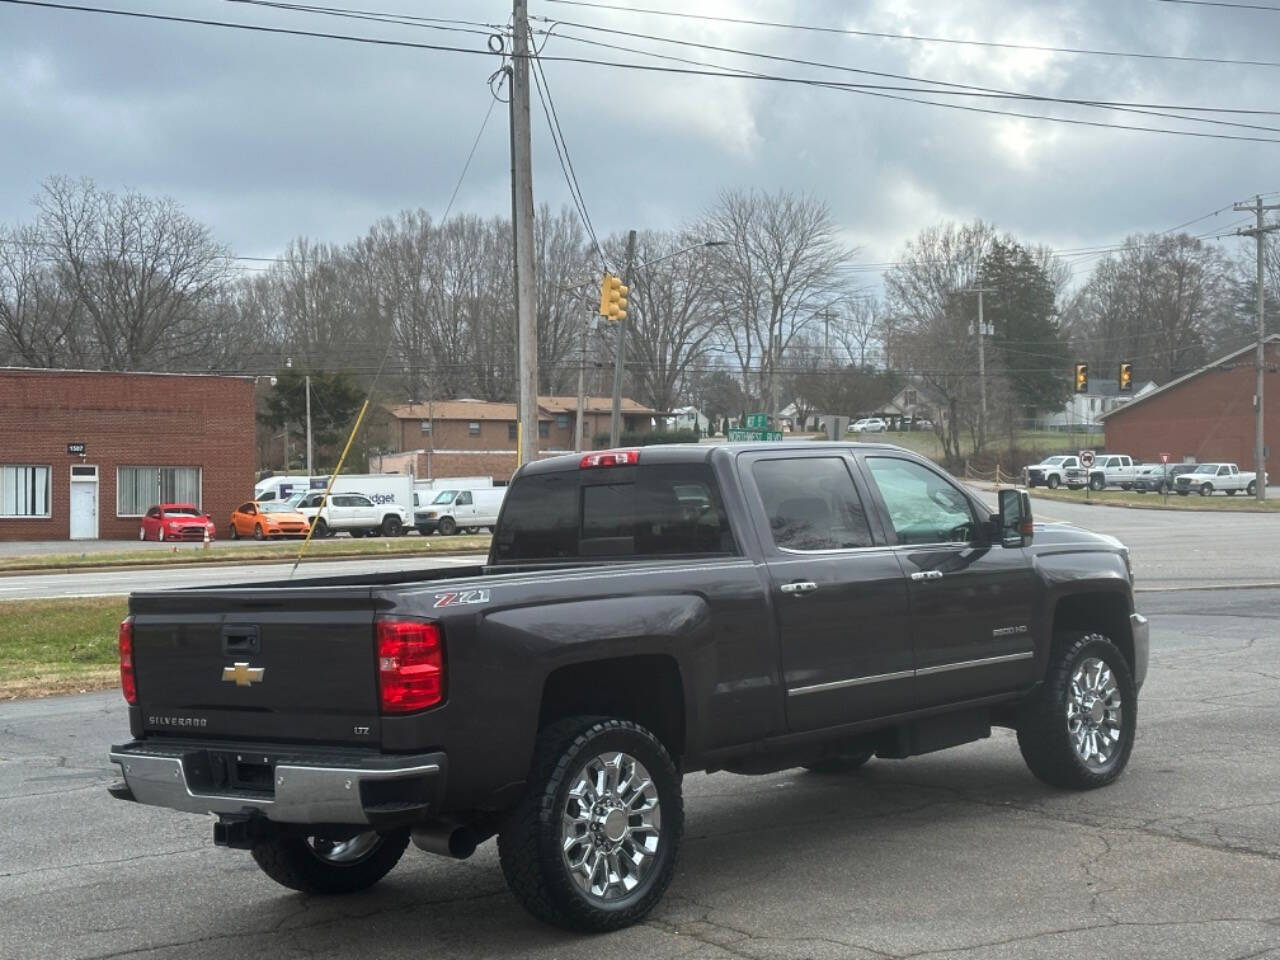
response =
{"points": [[530, 844], [259, 533], [1097, 483], [1044, 736], [1206, 489], [391, 526], [1053, 482], [319, 529], [425, 531], [447, 526], [1231, 493], [235, 534], [1252, 489], [295, 863], [356, 534], [1184, 493], [841, 763], [1075, 486], [1126, 486]]}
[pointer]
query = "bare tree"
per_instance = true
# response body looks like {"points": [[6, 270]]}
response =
{"points": [[40, 325], [140, 269], [782, 263]]}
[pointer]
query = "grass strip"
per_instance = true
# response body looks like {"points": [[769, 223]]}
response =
{"points": [[1240, 503], [66, 645], [282, 551]]}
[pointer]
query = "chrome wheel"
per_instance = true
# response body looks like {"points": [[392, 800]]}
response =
{"points": [[1094, 712], [611, 826], [345, 851]]}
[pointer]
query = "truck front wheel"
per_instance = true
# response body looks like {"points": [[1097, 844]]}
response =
{"points": [[1053, 481], [317, 865], [592, 845], [1076, 731]]}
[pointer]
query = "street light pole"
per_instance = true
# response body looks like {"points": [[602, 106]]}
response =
{"points": [[309, 473], [1259, 440]]}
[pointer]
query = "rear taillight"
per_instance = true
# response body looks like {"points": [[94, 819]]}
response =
{"points": [[128, 684], [610, 458], [410, 665]]}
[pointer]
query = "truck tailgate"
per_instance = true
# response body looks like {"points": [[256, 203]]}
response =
{"points": [[278, 665]]}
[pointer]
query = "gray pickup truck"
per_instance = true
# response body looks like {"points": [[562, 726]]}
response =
{"points": [[642, 614]]}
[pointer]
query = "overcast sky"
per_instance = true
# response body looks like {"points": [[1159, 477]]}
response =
{"points": [[265, 137]]}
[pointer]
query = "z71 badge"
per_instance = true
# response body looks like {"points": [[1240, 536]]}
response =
{"points": [[461, 598]]}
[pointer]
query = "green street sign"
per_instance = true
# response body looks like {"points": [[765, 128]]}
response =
{"points": [[758, 421], [735, 435]]}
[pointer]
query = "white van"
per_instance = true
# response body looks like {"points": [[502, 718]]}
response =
{"points": [[455, 509]]}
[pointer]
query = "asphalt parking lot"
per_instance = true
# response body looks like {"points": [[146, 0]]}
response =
{"points": [[957, 854]]}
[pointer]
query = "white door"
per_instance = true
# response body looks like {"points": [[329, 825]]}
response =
{"points": [[84, 510]]}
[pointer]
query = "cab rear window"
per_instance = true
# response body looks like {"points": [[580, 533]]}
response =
{"points": [[659, 510]]}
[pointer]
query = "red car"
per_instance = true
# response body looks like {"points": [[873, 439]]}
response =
{"points": [[175, 521]]}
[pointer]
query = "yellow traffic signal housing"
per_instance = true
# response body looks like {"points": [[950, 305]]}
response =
{"points": [[613, 299], [1126, 376], [1082, 378]]}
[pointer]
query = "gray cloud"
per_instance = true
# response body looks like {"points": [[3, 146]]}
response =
{"points": [[265, 137]]}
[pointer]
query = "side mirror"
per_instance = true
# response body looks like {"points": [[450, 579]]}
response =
{"points": [[1014, 520]]}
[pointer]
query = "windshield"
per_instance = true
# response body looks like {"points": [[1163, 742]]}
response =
{"points": [[295, 500], [182, 512], [281, 507], [1055, 461], [445, 496]]}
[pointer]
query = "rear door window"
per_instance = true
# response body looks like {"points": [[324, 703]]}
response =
{"points": [[812, 504]]}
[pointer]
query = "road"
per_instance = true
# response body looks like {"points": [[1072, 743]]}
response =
{"points": [[114, 582], [959, 854]]}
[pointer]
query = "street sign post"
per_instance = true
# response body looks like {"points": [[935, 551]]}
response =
{"points": [[1087, 460], [737, 435]]}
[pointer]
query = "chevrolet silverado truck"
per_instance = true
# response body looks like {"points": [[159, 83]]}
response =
{"points": [[642, 614], [1109, 470], [1052, 472]]}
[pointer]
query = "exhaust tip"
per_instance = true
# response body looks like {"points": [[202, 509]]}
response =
{"points": [[446, 839]]}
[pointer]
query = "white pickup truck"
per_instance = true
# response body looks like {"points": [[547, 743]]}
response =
{"points": [[1108, 470], [1208, 478], [353, 512], [1052, 472]]}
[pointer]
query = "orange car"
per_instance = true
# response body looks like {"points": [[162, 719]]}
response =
{"points": [[261, 520]]}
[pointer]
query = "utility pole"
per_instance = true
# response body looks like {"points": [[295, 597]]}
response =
{"points": [[619, 360], [309, 474], [522, 223], [582, 383], [1259, 442], [983, 332]]}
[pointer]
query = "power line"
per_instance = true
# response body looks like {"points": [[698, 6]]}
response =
{"points": [[1208, 3], [1006, 45], [493, 99], [558, 140]]}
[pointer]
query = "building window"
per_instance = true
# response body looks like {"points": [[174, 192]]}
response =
{"points": [[909, 398], [140, 488], [513, 432], [562, 421], [473, 428], [24, 491], [426, 427], [544, 429]]}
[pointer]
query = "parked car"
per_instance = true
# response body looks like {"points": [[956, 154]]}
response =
{"points": [[869, 425], [1159, 477], [452, 510], [642, 615], [1108, 470], [267, 519], [1051, 472], [355, 513], [1208, 478], [176, 521]]}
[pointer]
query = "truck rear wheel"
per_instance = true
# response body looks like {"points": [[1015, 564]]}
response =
{"points": [[320, 529], [1097, 482], [1076, 731], [592, 844], [1252, 489], [317, 865], [391, 526]]}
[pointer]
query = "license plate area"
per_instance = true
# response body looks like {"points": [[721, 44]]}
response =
{"points": [[230, 771]]}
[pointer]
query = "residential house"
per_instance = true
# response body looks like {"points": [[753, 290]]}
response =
{"points": [[1086, 410]]}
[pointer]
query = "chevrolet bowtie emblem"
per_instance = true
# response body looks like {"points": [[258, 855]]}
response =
{"points": [[242, 675]]}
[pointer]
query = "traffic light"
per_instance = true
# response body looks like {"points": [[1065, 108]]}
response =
{"points": [[1082, 378], [1126, 376], [613, 299]]}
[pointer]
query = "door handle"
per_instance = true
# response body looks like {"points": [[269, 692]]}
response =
{"points": [[799, 587], [927, 575]]}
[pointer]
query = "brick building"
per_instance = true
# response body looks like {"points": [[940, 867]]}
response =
{"points": [[1204, 416], [470, 438], [83, 454]]}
